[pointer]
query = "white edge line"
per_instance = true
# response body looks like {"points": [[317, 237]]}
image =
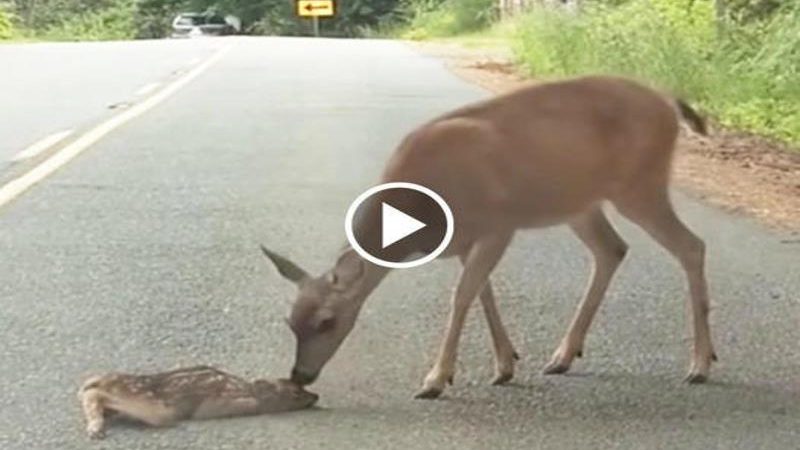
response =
{"points": [[146, 89], [41, 145], [15, 187]]}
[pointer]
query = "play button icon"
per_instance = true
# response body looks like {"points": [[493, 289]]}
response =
{"points": [[399, 225], [396, 225]]}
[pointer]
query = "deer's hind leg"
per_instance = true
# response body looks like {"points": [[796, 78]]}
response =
{"points": [[608, 250], [652, 210]]}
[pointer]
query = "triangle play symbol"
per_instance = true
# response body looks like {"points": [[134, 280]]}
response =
{"points": [[397, 225]]}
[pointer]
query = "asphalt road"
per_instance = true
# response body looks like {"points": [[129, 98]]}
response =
{"points": [[142, 254], [53, 87]]}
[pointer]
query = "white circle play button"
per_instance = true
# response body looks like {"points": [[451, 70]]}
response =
{"points": [[399, 225]]}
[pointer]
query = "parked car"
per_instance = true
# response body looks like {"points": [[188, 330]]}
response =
{"points": [[192, 24]]}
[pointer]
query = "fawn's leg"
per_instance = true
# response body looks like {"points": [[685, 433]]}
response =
{"points": [[151, 411], [93, 409], [228, 407]]}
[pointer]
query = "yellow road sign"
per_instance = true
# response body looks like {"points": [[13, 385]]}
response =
{"points": [[316, 8]]}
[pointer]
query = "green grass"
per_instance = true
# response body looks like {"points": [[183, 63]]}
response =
{"points": [[496, 35], [115, 23], [427, 19], [6, 24], [748, 77]]}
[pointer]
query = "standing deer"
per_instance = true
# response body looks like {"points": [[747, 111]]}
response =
{"points": [[543, 155]]}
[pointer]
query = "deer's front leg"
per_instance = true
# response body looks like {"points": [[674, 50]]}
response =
{"points": [[478, 264], [504, 353], [608, 250]]}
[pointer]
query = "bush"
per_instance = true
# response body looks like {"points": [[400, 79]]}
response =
{"points": [[113, 23], [438, 18], [6, 26], [279, 21], [745, 74], [153, 18]]}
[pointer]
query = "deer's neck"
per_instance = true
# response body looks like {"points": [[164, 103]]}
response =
{"points": [[373, 275]]}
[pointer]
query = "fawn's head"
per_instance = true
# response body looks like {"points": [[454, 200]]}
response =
{"points": [[283, 395]]}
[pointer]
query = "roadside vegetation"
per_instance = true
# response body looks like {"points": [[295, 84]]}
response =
{"points": [[739, 59], [6, 25], [744, 71], [132, 19], [423, 19]]}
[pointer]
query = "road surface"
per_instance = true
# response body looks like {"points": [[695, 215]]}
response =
{"points": [[142, 254], [56, 87]]}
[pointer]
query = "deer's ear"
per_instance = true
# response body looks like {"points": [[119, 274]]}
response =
{"points": [[286, 268], [349, 268]]}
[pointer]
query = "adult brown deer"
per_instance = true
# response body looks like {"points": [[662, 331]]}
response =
{"points": [[542, 155]]}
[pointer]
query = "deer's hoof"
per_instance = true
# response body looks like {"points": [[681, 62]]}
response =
{"points": [[428, 393], [696, 378], [555, 368], [96, 434], [502, 378]]}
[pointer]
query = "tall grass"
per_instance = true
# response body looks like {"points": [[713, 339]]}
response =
{"points": [[442, 18], [6, 26], [748, 76], [113, 23]]}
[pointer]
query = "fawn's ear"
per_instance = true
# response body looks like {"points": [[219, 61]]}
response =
{"points": [[286, 268]]}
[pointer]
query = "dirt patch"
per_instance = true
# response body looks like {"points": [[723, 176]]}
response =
{"points": [[735, 171]]}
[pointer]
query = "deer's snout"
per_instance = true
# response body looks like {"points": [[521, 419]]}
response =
{"points": [[302, 378], [312, 396]]}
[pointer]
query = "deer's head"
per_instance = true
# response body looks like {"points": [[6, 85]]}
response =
{"points": [[324, 311]]}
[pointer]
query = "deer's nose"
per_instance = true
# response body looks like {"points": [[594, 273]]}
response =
{"points": [[302, 378]]}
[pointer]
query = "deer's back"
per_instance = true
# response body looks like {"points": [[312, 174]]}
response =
{"points": [[542, 153]]}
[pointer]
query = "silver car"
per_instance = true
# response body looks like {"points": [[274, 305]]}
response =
{"points": [[204, 24]]}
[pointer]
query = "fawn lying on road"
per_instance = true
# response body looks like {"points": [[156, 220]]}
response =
{"points": [[199, 392]]}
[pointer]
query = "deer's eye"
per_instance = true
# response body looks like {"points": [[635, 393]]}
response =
{"points": [[326, 324]]}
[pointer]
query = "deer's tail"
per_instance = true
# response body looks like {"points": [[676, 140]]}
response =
{"points": [[689, 115]]}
